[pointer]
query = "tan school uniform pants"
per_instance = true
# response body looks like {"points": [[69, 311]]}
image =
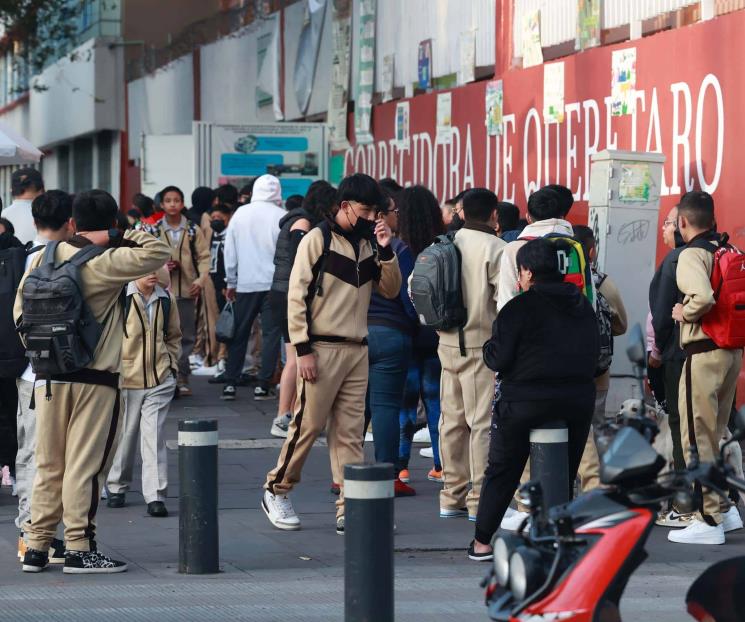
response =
{"points": [[706, 393], [466, 394], [76, 435], [336, 399]]}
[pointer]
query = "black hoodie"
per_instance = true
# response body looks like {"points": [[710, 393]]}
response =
{"points": [[545, 344], [663, 296]]}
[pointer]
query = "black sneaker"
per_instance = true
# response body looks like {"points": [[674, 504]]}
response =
{"points": [[246, 379], [57, 552], [228, 393], [157, 509], [115, 500], [91, 562], [340, 525], [479, 557], [263, 392], [35, 561]]}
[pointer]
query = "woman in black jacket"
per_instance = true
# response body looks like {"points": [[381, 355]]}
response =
{"points": [[545, 348]]}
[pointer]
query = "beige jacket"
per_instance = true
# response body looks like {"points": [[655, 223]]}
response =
{"points": [[181, 250], [103, 278], [149, 353], [347, 284], [619, 322], [481, 254], [693, 276]]}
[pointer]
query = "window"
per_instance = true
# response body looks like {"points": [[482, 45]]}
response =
{"points": [[82, 164], [63, 167], [104, 160]]}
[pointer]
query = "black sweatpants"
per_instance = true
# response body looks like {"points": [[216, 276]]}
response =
{"points": [[672, 371], [509, 449], [8, 420]]}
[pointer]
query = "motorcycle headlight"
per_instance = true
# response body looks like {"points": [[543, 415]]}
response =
{"points": [[504, 545], [526, 572]]}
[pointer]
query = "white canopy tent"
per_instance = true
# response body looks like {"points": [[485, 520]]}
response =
{"points": [[15, 149]]}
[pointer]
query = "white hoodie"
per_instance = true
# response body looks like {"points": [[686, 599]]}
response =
{"points": [[508, 286], [251, 238]]}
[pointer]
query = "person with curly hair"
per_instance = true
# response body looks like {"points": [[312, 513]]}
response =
{"points": [[420, 222]]}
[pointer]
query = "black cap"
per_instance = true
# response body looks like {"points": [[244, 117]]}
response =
{"points": [[22, 179]]}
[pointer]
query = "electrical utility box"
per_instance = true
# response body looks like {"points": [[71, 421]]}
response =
{"points": [[624, 215]]}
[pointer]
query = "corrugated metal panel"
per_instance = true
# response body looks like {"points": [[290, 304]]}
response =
{"points": [[559, 17], [401, 26]]}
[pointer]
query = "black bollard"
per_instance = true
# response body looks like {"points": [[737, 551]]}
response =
{"points": [[368, 542], [197, 468], [549, 462]]}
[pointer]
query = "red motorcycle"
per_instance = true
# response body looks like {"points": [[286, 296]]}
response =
{"points": [[573, 562]]}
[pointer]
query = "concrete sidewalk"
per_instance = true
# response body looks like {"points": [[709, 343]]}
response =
{"points": [[269, 574]]}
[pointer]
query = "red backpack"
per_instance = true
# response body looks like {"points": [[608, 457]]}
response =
{"points": [[725, 323]]}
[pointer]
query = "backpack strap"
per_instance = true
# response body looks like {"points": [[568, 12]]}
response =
{"points": [[85, 254], [49, 251], [316, 288], [450, 235], [165, 303]]}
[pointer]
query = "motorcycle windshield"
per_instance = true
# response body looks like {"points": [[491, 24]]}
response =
{"points": [[718, 595]]}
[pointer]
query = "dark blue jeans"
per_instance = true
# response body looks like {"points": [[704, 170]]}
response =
{"points": [[389, 351], [423, 381]]}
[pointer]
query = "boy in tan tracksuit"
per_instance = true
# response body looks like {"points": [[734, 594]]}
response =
{"points": [[708, 382], [77, 428], [152, 344], [467, 384], [327, 318], [189, 266]]}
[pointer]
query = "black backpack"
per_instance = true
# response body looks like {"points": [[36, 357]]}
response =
{"points": [[13, 359], [605, 319], [436, 287], [59, 329]]}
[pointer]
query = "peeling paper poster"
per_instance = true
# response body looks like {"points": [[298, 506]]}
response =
{"points": [[623, 82], [532, 51], [366, 73], [444, 118], [467, 70], [588, 24], [402, 125], [553, 93], [494, 106], [387, 78]]}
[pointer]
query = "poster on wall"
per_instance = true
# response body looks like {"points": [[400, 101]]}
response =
{"points": [[307, 52], [341, 41], [532, 51], [424, 65], [494, 106], [553, 93], [623, 81], [366, 73], [268, 61], [296, 153], [467, 66], [387, 86], [402, 125], [444, 127], [588, 24]]}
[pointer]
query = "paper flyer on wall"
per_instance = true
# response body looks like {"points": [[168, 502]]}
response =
{"points": [[366, 73], [444, 119], [532, 51], [623, 82], [402, 125], [553, 93], [341, 41], [387, 86], [588, 24], [467, 67], [494, 107], [424, 64]]}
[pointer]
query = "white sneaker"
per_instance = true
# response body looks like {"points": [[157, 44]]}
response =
{"points": [[220, 367], [732, 520], [14, 490], [280, 425], [426, 452], [422, 436], [195, 361], [675, 520], [279, 511], [513, 519], [698, 532]]}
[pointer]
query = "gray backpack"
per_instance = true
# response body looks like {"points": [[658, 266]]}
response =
{"points": [[436, 287], [605, 320], [59, 329]]}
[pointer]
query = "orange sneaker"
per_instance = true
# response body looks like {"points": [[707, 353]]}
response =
{"points": [[435, 476], [404, 476]]}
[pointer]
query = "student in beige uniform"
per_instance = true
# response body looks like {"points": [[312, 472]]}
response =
{"points": [[327, 320], [708, 382], [152, 344], [189, 266], [467, 384], [76, 430]]}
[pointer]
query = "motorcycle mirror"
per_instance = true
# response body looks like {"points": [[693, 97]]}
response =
{"points": [[683, 502], [635, 349], [739, 433]]}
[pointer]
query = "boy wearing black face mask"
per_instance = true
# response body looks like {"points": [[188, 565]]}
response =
{"points": [[219, 219], [333, 276]]}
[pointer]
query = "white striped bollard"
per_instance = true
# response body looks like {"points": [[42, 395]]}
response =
{"points": [[368, 542], [549, 462], [197, 467]]}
